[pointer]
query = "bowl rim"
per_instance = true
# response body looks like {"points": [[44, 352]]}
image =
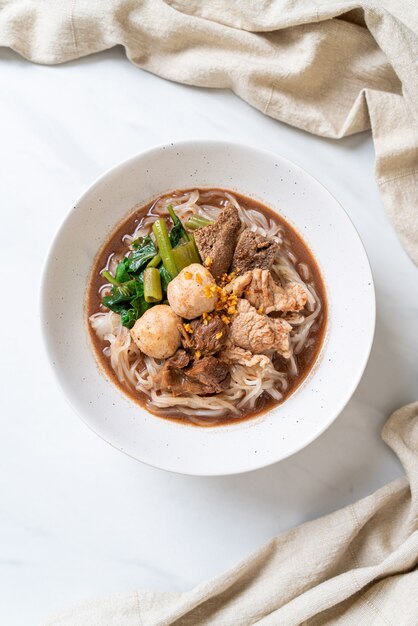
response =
{"points": [[198, 143]]}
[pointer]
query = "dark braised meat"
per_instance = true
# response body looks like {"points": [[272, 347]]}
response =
{"points": [[180, 359], [176, 382], [210, 372], [217, 241], [207, 339], [204, 377], [253, 251]]}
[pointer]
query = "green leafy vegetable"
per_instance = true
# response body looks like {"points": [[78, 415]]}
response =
{"points": [[178, 232], [120, 293], [121, 274], [165, 278], [140, 306], [141, 255], [141, 278], [128, 300], [128, 317], [176, 235], [193, 240]]}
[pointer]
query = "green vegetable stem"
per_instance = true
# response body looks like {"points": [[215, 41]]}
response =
{"points": [[197, 221], [111, 279], [155, 261], [152, 285], [185, 255], [164, 246]]}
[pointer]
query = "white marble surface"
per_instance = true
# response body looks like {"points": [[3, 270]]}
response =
{"points": [[77, 518]]}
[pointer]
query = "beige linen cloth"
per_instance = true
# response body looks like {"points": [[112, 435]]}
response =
{"points": [[332, 68], [355, 567]]}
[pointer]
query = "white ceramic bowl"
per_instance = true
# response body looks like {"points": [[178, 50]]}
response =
{"points": [[324, 225]]}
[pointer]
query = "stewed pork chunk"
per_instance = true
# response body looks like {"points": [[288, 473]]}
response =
{"points": [[233, 354], [263, 293], [259, 333]]}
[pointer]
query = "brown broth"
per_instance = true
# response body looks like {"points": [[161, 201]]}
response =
{"points": [[305, 360]]}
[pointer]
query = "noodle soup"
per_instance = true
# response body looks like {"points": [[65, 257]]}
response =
{"points": [[268, 309]]}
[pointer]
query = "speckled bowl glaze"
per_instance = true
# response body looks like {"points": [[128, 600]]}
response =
{"points": [[326, 228]]}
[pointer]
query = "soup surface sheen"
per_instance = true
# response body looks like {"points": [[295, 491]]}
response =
{"points": [[252, 391]]}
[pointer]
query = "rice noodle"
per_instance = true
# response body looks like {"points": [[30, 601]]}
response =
{"points": [[247, 384]]}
